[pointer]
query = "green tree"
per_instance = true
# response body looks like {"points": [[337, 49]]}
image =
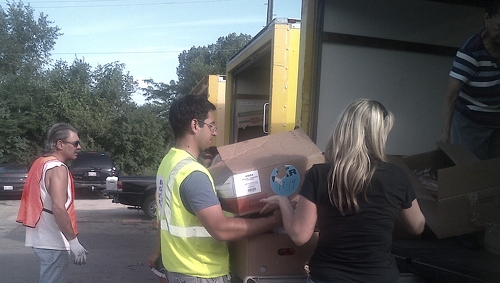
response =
{"points": [[197, 62], [160, 94], [35, 94], [194, 65], [26, 42], [101, 109], [25, 45], [140, 140], [98, 103]]}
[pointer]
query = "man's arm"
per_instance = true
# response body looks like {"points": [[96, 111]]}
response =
{"points": [[56, 182], [454, 87], [157, 249], [199, 198], [224, 228]]}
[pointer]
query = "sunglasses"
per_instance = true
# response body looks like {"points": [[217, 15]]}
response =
{"points": [[75, 143]]}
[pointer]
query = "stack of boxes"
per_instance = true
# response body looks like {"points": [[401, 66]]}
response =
{"points": [[468, 190], [467, 197], [256, 169]]}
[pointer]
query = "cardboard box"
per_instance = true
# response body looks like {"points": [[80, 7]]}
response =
{"points": [[270, 254], [261, 167], [468, 190]]}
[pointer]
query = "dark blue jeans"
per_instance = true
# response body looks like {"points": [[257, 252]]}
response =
{"points": [[482, 141]]}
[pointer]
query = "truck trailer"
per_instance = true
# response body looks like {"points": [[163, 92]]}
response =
{"points": [[303, 73]]}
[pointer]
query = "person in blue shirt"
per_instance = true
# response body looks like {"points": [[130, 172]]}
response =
{"points": [[472, 100]]}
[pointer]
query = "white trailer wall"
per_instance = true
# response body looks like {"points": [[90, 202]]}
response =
{"points": [[411, 84]]}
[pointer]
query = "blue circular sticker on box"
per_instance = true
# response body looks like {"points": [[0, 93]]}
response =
{"points": [[287, 185]]}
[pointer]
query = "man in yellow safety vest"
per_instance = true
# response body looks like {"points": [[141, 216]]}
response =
{"points": [[192, 226]]}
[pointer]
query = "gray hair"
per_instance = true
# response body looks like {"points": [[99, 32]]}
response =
{"points": [[59, 131]]}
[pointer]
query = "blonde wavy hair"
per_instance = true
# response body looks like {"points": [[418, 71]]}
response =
{"points": [[354, 148]]}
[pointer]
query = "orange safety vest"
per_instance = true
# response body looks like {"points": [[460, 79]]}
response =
{"points": [[31, 203]]}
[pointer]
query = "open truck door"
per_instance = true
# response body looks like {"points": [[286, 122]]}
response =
{"points": [[261, 91]]}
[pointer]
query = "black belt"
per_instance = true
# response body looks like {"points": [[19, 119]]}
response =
{"points": [[48, 211]]}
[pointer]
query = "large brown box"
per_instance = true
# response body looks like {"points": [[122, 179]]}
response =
{"points": [[468, 194], [261, 167], [270, 254]]}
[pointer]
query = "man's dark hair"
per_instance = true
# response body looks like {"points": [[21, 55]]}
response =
{"points": [[185, 109]]}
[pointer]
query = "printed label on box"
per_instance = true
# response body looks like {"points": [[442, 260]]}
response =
{"points": [[247, 183], [287, 185]]}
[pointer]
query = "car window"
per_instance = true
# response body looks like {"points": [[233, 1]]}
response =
{"points": [[86, 159], [13, 168]]}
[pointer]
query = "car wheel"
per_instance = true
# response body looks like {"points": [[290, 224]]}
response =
{"points": [[149, 206]]}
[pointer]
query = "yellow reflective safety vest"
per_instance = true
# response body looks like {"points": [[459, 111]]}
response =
{"points": [[186, 246]]}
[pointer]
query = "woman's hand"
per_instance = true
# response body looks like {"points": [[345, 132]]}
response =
{"points": [[272, 203]]}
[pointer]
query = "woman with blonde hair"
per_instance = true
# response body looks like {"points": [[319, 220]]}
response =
{"points": [[353, 200]]}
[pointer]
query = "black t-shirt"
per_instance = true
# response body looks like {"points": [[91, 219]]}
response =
{"points": [[357, 247]]}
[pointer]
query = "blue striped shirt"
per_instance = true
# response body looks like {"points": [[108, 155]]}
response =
{"points": [[479, 98]]}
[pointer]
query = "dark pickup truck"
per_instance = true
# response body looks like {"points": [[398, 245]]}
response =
{"points": [[135, 191], [90, 170]]}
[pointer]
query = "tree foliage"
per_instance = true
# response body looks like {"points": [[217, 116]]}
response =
{"points": [[35, 93], [26, 42], [200, 61], [98, 103], [25, 45], [160, 93]]}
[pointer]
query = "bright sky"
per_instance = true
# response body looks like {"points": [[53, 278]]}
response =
{"points": [[148, 35]]}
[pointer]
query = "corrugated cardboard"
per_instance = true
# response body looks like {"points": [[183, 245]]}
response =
{"points": [[261, 167], [270, 254], [468, 195]]}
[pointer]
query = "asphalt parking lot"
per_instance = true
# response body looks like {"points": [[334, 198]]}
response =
{"points": [[119, 242]]}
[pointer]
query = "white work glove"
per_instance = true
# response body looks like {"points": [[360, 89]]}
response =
{"points": [[78, 251]]}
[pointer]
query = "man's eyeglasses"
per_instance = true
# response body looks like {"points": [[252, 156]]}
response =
{"points": [[213, 128], [75, 143]]}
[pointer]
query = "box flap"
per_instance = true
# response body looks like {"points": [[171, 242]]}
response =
{"points": [[272, 149], [468, 177], [457, 153], [467, 189], [220, 172]]}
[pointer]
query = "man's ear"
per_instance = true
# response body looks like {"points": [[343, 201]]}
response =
{"points": [[194, 126], [59, 144]]}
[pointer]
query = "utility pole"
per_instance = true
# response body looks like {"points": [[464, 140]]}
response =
{"points": [[269, 11]]}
